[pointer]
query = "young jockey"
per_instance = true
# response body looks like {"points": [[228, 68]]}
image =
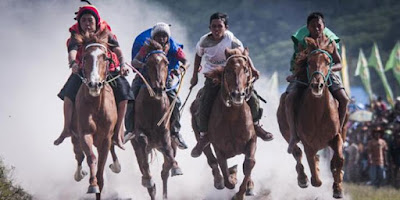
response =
{"points": [[212, 47], [88, 20], [162, 34], [315, 29]]}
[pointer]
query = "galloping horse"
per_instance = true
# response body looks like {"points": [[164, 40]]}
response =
{"points": [[148, 111], [95, 113], [230, 130], [316, 117]]}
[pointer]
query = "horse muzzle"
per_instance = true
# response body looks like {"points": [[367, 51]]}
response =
{"points": [[95, 88], [317, 88], [237, 98]]}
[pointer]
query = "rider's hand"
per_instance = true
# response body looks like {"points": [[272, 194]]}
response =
{"points": [[124, 70], [175, 72], [193, 81], [290, 78], [74, 68]]}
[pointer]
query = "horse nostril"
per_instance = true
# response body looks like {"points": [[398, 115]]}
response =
{"points": [[100, 84], [321, 85], [242, 94], [90, 84]]}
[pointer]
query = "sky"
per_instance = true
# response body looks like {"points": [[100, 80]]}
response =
{"points": [[34, 57]]}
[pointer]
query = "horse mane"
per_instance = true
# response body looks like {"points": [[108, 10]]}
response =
{"points": [[215, 75], [312, 44], [100, 37], [153, 45]]}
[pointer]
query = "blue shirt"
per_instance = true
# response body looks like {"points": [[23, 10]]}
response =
{"points": [[171, 55]]}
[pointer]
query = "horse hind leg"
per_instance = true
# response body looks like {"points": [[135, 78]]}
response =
{"points": [[115, 166], [337, 166], [79, 156], [213, 163], [302, 179]]}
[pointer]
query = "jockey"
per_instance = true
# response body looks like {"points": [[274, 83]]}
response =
{"points": [[88, 20], [315, 29], [212, 47], [162, 34]]}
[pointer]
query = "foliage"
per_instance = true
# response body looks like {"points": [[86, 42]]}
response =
{"points": [[8, 190]]}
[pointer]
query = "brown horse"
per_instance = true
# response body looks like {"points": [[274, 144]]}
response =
{"points": [[95, 113], [316, 117], [148, 112], [231, 130]]}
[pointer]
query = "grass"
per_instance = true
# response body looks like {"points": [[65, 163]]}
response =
{"points": [[363, 192]]}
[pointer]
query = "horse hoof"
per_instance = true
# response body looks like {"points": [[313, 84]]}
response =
{"points": [[236, 197], [115, 167], [79, 174], [337, 194], [93, 189], [250, 192], [303, 183], [148, 182], [176, 171], [315, 182], [219, 183]]}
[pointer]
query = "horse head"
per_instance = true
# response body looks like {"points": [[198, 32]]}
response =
{"points": [[235, 77], [94, 61], [157, 68], [318, 61]]}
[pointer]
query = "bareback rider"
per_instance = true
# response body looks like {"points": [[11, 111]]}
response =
{"points": [[89, 21]]}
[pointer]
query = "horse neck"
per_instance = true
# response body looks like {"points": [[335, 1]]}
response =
{"points": [[95, 101]]}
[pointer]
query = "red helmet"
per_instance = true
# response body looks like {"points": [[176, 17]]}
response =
{"points": [[88, 9]]}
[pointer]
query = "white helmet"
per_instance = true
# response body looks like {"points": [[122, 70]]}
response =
{"points": [[161, 27]]}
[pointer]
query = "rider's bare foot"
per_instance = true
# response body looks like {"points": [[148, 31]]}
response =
{"points": [[61, 138], [118, 142]]}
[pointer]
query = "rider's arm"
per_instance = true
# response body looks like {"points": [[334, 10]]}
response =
{"points": [[195, 78], [336, 59], [254, 71], [136, 62]]}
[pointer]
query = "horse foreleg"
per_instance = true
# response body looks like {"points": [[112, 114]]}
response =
{"points": [[139, 145], [87, 145], [115, 166], [302, 179], [248, 166], [169, 153], [165, 175], [103, 154], [228, 178], [79, 156], [213, 163], [313, 161], [337, 166]]}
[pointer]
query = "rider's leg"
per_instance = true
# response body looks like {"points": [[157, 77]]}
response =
{"points": [[338, 92], [68, 111], [343, 100], [206, 101], [130, 110], [118, 136], [256, 111], [175, 120], [68, 94], [292, 95]]}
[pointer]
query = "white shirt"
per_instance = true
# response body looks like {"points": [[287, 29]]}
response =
{"points": [[214, 53]]}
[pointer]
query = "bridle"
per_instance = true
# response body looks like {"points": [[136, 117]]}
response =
{"points": [[226, 96], [326, 77]]}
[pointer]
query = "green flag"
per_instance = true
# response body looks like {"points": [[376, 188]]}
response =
{"points": [[363, 71], [376, 62], [394, 62]]}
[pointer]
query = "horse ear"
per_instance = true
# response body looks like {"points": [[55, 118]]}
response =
{"points": [[228, 52], [311, 43], [215, 75], [246, 51]]}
